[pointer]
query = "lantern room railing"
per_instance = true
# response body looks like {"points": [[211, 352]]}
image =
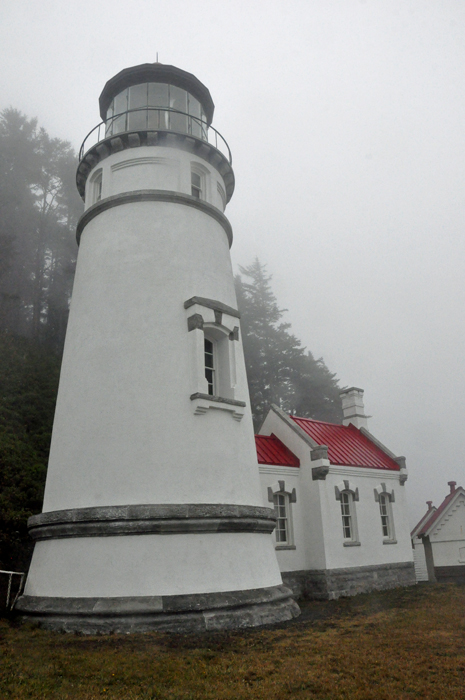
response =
{"points": [[155, 119]]}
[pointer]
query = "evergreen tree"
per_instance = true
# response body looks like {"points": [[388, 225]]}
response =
{"points": [[279, 370], [28, 386], [39, 207]]}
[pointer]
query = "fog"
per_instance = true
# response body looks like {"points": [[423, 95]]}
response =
{"points": [[346, 123]]}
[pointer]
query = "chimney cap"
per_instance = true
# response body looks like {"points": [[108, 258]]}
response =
{"points": [[352, 388]]}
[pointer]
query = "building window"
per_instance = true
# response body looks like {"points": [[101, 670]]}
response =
{"points": [[347, 494], [196, 185], [347, 515], [384, 511], [385, 498], [210, 365], [281, 508], [96, 187], [282, 500]]}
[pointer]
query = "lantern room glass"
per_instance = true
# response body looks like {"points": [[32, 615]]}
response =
{"points": [[139, 107]]}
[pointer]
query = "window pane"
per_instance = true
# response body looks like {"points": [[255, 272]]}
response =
{"points": [[109, 121], [196, 185], [209, 366], [137, 99], [346, 516], [178, 101], [194, 110], [204, 124], [158, 95], [120, 105]]}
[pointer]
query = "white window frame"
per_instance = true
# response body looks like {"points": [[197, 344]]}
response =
{"points": [[385, 498], [283, 520], [281, 498], [196, 187], [96, 184], [206, 321], [347, 494], [213, 367], [202, 190]]}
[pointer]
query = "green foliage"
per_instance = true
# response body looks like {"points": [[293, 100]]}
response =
{"points": [[279, 370], [391, 645], [28, 386], [39, 207]]}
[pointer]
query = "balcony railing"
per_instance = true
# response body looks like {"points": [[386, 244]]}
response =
{"points": [[155, 119]]}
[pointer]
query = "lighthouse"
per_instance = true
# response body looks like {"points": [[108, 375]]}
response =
{"points": [[152, 516]]}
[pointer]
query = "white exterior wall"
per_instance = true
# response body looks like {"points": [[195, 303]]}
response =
{"points": [[288, 559], [372, 549], [317, 514], [149, 565], [306, 512], [125, 430], [158, 168], [419, 559], [448, 536]]}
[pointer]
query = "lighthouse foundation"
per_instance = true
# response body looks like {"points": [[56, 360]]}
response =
{"points": [[175, 613]]}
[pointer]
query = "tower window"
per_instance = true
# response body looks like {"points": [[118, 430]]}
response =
{"points": [[210, 366], [96, 188], [196, 185]]}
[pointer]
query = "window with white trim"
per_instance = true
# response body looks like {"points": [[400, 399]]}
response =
{"points": [[96, 185], [281, 508], [213, 335], [385, 498], [347, 515], [210, 363], [282, 501], [196, 185], [347, 495], [384, 512]]}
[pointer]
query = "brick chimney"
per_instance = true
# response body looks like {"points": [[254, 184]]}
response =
{"points": [[430, 505], [353, 408], [452, 485]]}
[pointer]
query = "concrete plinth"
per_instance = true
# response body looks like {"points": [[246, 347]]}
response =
{"points": [[180, 614]]}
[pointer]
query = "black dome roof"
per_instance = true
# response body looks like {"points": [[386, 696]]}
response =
{"points": [[156, 73]]}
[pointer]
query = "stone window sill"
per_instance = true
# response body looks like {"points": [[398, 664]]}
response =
{"points": [[352, 544], [285, 546], [389, 541], [202, 403]]}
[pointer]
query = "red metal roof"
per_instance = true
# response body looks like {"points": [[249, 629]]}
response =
{"points": [[434, 517], [270, 450], [347, 445]]}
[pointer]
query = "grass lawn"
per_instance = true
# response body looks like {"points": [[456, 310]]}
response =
{"points": [[407, 643]]}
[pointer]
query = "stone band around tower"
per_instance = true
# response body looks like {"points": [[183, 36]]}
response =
{"points": [[197, 612], [152, 196], [165, 519]]}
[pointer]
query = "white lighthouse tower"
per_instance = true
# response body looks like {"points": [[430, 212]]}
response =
{"points": [[152, 513]]}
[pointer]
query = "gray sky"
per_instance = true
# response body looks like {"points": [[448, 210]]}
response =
{"points": [[346, 123]]}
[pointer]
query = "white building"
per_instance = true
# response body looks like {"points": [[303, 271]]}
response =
{"points": [[439, 539], [340, 501], [153, 517], [421, 570]]}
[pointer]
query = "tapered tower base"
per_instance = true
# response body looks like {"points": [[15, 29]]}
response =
{"points": [[178, 613]]}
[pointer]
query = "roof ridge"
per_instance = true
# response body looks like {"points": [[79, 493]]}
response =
{"points": [[440, 510], [315, 420]]}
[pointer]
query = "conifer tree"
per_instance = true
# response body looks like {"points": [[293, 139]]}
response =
{"points": [[279, 370]]}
